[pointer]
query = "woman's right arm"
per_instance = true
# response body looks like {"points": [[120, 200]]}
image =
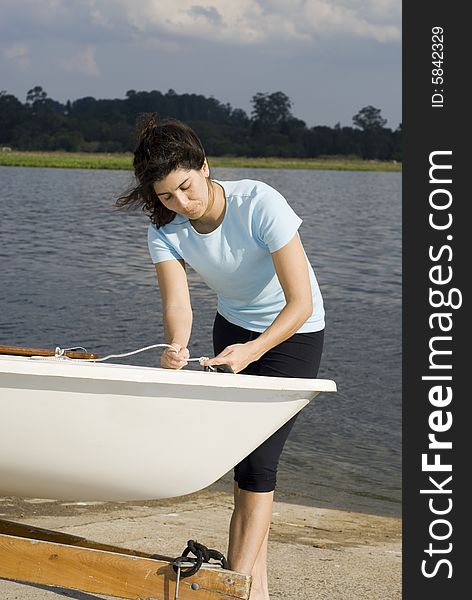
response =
{"points": [[177, 311]]}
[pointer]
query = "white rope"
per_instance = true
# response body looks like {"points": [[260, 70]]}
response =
{"points": [[60, 353]]}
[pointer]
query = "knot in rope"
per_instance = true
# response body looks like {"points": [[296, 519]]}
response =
{"points": [[61, 352], [202, 553]]}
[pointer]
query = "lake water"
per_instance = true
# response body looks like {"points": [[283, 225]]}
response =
{"points": [[76, 272]]}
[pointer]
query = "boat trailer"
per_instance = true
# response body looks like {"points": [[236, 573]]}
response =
{"points": [[51, 558]]}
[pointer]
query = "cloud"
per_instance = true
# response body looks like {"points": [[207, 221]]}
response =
{"points": [[17, 53], [261, 21], [356, 19], [246, 22], [210, 13], [83, 62]]}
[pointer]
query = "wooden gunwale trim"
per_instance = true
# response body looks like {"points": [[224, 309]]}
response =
{"points": [[25, 351]]}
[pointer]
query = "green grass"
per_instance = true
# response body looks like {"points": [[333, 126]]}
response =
{"points": [[79, 160], [66, 160], [328, 163]]}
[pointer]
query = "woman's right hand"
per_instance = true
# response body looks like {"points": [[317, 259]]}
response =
{"points": [[175, 359]]}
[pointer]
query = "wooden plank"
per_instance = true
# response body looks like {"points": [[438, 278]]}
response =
{"points": [[24, 530], [24, 351], [106, 572]]}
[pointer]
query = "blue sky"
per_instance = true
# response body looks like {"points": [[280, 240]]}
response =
{"points": [[330, 57]]}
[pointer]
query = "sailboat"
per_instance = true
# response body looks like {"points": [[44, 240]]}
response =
{"points": [[83, 431]]}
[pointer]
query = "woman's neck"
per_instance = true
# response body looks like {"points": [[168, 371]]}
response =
{"points": [[216, 211]]}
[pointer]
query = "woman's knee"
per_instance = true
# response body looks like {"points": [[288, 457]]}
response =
{"points": [[258, 471], [255, 478]]}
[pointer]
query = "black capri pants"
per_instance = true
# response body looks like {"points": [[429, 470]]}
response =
{"points": [[298, 356]]}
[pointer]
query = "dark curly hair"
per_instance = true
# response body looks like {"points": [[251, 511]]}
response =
{"points": [[162, 146]]}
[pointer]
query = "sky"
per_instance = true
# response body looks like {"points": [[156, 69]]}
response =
{"points": [[331, 57]]}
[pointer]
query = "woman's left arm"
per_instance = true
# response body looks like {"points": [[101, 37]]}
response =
{"points": [[292, 271]]}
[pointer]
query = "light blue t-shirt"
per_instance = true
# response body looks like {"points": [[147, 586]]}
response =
{"points": [[235, 259]]}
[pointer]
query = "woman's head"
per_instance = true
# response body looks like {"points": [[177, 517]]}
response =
{"points": [[163, 148]]}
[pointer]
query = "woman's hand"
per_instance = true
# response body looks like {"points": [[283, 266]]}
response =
{"points": [[237, 356], [174, 359]]}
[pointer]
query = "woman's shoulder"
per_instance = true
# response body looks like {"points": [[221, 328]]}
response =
{"points": [[164, 230], [251, 188]]}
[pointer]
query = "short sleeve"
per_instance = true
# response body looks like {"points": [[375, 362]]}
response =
{"points": [[159, 246], [274, 221]]}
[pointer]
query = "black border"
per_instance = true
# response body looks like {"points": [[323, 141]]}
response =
{"points": [[427, 129]]}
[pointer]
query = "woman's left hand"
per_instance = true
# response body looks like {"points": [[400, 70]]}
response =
{"points": [[237, 356]]}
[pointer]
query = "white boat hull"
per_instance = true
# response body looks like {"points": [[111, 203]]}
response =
{"points": [[96, 431]]}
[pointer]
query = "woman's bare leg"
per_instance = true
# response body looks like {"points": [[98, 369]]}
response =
{"points": [[260, 586], [248, 538]]}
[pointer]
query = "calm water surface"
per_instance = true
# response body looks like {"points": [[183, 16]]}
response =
{"points": [[76, 272]]}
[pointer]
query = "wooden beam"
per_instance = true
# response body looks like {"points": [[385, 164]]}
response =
{"points": [[24, 351], [24, 530], [53, 558]]}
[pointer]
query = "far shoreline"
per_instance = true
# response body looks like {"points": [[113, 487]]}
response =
{"points": [[121, 162]]}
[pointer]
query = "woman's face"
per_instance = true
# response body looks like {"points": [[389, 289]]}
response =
{"points": [[185, 192]]}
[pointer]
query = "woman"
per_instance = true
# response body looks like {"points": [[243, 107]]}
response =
{"points": [[241, 237]]}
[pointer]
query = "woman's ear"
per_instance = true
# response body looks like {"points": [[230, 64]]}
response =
{"points": [[206, 168]]}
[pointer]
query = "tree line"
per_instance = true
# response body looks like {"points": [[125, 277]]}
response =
{"points": [[107, 125]]}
